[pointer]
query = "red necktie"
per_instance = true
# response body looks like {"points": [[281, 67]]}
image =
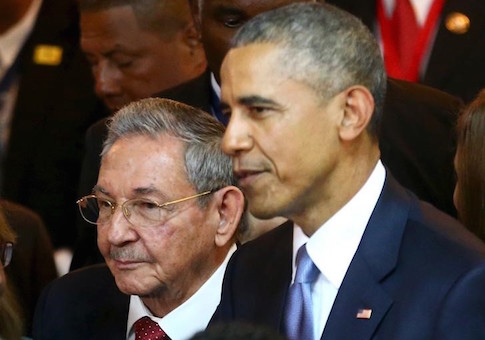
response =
{"points": [[405, 31], [147, 329]]}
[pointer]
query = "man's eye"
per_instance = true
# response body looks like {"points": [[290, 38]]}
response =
{"points": [[103, 204], [124, 64], [233, 22], [145, 205], [258, 109]]}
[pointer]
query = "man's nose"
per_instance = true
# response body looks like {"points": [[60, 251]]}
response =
{"points": [[237, 136], [107, 79]]}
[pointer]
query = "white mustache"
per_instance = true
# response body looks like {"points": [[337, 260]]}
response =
{"points": [[128, 254]]}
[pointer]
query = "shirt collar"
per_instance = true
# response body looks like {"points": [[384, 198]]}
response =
{"points": [[334, 244], [198, 309], [215, 86]]}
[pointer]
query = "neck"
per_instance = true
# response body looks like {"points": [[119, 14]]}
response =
{"points": [[174, 294], [348, 178]]}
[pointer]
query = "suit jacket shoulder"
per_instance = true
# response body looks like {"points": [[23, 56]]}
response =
{"points": [[195, 92], [414, 267], [83, 304]]}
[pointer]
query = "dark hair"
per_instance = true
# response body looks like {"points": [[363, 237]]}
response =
{"points": [[324, 47], [10, 321], [470, 166]]}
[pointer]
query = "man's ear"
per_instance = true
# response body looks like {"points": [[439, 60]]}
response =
{"points": [[358, 110], [230, 208]]}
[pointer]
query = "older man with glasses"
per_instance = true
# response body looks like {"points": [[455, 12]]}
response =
{"points": [[167, 216]]}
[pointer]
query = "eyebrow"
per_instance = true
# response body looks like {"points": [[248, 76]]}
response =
{"points": [[137, 191], [256, 100], [251, 101]]}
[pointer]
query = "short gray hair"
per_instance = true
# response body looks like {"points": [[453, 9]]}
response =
{"points": [[324, 47], [207, 167], [163, 16]]}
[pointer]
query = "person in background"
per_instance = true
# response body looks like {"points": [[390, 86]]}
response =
{"points": [[47, 102], [304, 87], [139, 47], [32, 267], [167, 215], [433, 42], [136, 48], [470, 166], [10, 320]]}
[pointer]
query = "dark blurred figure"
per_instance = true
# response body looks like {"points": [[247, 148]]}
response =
{"points": [[46, 103], [32, 267], [470, 167], [237, 331], [10, 320], [446, 49]]}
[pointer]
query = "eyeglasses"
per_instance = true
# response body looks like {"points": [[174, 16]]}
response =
{"points": [[6, 250], [139, 211]]}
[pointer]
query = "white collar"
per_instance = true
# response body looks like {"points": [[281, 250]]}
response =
{"points": [[421, 9], [215, 86], [334, 244], [191, 316]]}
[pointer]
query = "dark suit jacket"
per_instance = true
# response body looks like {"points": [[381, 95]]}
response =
{"points": [[32, 266], [420, 271], [55, 106], [456, 61], [84, 304], [417, 142]]}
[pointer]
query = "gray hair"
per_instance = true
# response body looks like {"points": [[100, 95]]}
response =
{"points": [[324, 47], [163, 16], [207, 167]]}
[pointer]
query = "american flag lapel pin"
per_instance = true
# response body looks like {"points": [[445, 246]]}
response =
{"points": [[364, 313]]}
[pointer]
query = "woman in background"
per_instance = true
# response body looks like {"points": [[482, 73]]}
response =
{"points": [[10, 323], [469, 194]]}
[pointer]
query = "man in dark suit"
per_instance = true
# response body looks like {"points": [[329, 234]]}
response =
{"points": [[418, 125], [47, 93], [167, 216], [304, 87], [454, 56]]}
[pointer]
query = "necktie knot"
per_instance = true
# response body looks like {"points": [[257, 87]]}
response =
{"points": [[306, 271], [147, 329]]}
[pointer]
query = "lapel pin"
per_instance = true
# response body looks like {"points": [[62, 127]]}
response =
{"points": [[50, 55], [364, 313], [457, 23]]}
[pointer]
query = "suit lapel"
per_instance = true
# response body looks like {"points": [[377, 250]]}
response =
{"points": [[109, 321], [375, 258]]}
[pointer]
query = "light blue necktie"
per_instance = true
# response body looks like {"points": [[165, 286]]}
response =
{"points": [[298, 311]]}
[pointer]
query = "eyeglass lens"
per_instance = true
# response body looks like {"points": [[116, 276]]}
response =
{"points": [[6, 250]]}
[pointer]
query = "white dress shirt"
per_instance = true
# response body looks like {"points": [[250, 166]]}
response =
{"points": [[190, 317], [334, 244]]}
